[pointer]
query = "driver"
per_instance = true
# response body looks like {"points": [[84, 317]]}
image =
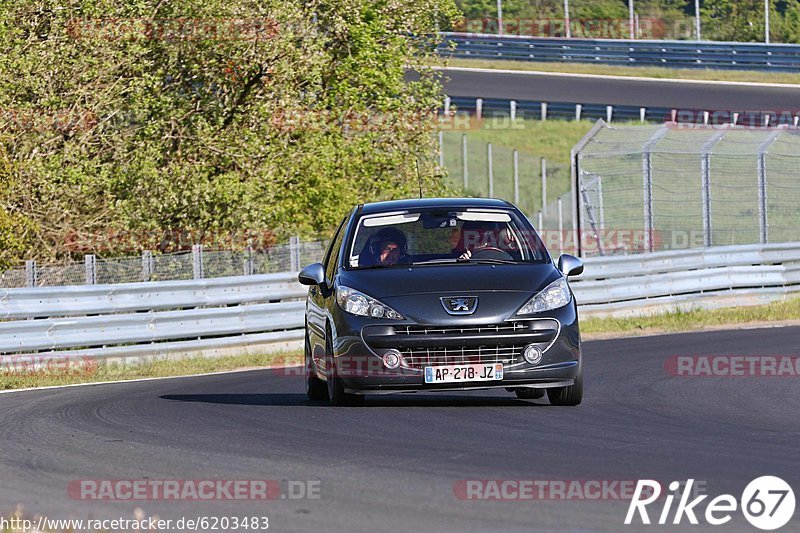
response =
{"points": [[388, 247]]}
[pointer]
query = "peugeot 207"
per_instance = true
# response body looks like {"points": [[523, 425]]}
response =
{"points": [[440, 295]]}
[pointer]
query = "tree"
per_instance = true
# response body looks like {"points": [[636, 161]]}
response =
{"points": [[209, 116]]}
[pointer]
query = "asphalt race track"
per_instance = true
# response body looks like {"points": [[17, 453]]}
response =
{"points": [[621, 91], [393, 464]]}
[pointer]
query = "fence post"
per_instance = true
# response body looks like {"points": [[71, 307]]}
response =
{"points": [[31, 273], [147, 265], [441, 149], [560, 226], [544, 186], [516, 177], [464, 160], [647, 175], [90, 268], [447, 105], [249, 265], [491, 169], [197, 261], [705, 167], [513, 110], [479, 108], [544, 110], [294, 253], [540, 221], [763, 222]]}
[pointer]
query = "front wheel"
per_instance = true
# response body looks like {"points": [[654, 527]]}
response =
{"points": [[315, 387], [570, 395], [336, 393]]}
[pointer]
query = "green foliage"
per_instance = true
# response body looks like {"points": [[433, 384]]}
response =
{"points": [[125, 119]]}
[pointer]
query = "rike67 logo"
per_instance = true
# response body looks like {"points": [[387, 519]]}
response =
{"points": [[767, 503]]}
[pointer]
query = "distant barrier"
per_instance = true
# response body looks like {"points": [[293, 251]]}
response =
{"points": [[674, 54]]}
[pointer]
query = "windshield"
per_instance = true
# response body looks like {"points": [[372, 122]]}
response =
{"points": [[444, 237]]}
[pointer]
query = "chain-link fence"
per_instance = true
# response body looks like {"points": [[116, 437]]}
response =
{"points": [[651, 188], [195, 264]]}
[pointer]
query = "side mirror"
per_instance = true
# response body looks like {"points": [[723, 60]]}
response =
{"points": [[569, 265], [313, 274]]}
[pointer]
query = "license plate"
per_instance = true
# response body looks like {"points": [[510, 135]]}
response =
{"points": [[459, 373]]}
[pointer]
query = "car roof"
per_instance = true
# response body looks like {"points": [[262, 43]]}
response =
{"points": [[448, 203]]}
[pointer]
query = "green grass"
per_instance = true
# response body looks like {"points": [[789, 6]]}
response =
{"points": [[678, 321], [533, 139], [96, 371], [645, 72]]}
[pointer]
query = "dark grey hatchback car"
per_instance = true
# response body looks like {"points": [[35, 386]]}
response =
{"points": [[440, 295]]}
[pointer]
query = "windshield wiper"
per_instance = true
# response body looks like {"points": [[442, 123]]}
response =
{"points": [[493, 261], [439, 261]]}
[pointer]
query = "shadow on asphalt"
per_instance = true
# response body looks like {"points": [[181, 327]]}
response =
{"points": [[400, 400]]}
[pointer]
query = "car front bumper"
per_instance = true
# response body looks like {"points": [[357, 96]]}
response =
{"points": [[360, 343]]}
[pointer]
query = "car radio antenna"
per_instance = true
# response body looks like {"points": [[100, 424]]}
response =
{"points": [[419, 179]]}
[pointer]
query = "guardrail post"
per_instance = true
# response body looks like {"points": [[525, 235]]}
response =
{"points": [[197, 261], [90, 268], [464, 160], [512, 109], [446, 105], [544, 186], [543, 107], [516, 177], [540, 221], [294, 253], [763, 222], [31, 273], [479, 108], [147, 265], [578, 109], [642, 112], [491, 169], [609, 111]]}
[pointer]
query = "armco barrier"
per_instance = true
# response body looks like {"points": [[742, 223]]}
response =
{"points": [[258, 313], [674, 54]]}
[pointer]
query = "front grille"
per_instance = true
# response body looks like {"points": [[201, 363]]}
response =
{"points": [[437, 330], [422, 357]]}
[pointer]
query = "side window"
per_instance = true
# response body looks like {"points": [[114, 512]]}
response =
{"points": [[333, 251]]}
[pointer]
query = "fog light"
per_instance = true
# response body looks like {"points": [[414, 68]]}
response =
{"points": [[391, 359], [532, 354]]}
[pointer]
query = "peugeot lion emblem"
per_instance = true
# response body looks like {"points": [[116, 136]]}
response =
{"points": [[460, 305]]}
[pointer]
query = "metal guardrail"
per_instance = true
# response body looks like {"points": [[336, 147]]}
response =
{"points": [[172, 318], [675, 54]]}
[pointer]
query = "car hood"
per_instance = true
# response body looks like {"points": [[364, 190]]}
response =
{"points": [[442, 279], [416, 292]]}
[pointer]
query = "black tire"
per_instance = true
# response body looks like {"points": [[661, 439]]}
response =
{"points": [[336, 393], [529, 394], [570, 395], [316, 389]]}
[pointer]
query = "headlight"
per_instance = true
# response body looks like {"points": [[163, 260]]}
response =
{"points": [[553, 296], [358, 303]]}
